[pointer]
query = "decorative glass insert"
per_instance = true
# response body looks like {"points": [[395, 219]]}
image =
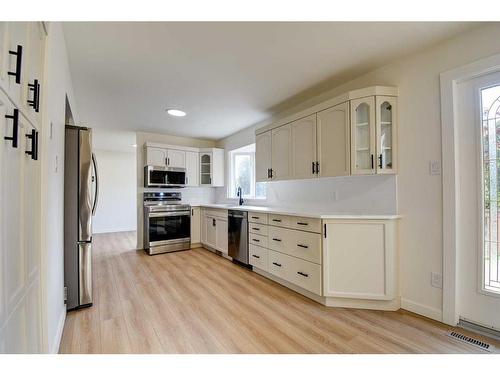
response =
{"points": [[363, 160], [386, 135], [490, 105]]}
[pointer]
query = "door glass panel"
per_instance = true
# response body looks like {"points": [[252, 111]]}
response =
{"points": [[363, 136], [206, 167], [386, 135], [169, 228], [490, 100]]}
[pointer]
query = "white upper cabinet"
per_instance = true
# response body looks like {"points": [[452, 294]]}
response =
{"points": [[334, 152], [263, 157], [281, 153], [386, 131], [176, 158], [192, 168], [156, 156], [363, 135], [212, 167], [303, 134]]}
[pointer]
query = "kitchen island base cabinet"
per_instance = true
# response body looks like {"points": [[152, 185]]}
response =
{"points": [[359, 259]]}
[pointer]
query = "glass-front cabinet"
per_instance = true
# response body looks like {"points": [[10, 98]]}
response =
{"points": [[386, 134], [373, 135], [206, 168], [363, 135]]}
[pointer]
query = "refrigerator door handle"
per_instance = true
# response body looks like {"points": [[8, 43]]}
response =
{"points": [[96, 174]]}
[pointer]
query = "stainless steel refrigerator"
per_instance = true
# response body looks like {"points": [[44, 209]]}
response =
{"points": [[80, 202]]}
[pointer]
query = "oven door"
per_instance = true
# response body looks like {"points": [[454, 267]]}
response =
{"points": [[166, 228]]}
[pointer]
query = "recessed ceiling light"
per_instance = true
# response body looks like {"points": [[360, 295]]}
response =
{"points": [[176, 112]]}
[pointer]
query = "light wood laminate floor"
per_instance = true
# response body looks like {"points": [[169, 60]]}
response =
{"points": [[197, 302]]}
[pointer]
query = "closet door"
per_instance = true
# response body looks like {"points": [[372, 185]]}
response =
{"points": [[263, 157], [334, 141], [363, 136], [281, 146], [304, 147]]}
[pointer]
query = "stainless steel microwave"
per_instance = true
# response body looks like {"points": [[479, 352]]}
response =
{"points": [[164, 177]]}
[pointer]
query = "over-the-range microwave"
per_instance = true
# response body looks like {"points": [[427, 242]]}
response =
{"points": [[164, 177]]}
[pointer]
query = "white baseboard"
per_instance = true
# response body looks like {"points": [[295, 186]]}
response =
{"points": [[418, 308], [54, 348]]}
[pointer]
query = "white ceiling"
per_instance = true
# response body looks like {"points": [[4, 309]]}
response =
{"points": [[226, 76]]}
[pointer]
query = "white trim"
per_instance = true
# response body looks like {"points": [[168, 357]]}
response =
{"points": [[418, 308], [449, 81], [54, 348]]}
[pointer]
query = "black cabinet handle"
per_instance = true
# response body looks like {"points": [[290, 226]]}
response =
{"points": [[19, 59], [380, 161], [271, 170], [268, 172], [303, 274], [317, 167], [301, 223], [277, 264], [303, 246], [192, 212], [255, 240], [255, 217], [35, 103], [255, 256], [34, 144], [372, 160], [276, 239], [256, 228], [213, 222], [277, 220], [15, 127], [313, 167]]}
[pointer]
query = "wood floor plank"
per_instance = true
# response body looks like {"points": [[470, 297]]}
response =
{"points": [[198, 302]]}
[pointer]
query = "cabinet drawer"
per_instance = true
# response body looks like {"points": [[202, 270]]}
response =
{"points": [[278, 264], [279, 220], [216, 213], [305, 223], [258, 229], [257, 257], [257, 217], [305, 274], [257, 239], [300, 244]]}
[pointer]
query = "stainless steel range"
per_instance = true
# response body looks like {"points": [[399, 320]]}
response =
{"points": [[167, 223]]}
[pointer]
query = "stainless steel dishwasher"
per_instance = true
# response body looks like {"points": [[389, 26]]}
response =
{"points": [[238, 235]]}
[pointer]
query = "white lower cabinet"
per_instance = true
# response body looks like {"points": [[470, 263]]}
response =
{"points": [[221, 235], [195, 225], [278, 264], [359, 259], [214, 229], [257, 257], [300, 244], [305, 274], [211, 239]]}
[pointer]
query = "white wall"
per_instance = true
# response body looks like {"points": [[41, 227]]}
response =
{"points": [[116, 209], [190, 195], [58, 85], [419, 194]]}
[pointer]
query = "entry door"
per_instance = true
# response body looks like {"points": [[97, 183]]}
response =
{"points": [[478, 254]]}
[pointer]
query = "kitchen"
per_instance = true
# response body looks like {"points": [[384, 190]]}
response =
{"points": [[207, 204]]}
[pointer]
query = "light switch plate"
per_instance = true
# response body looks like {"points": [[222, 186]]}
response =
{"points": [[436, 280], [434, 167]]}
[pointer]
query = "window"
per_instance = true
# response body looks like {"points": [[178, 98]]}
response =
{"points": [[490, 99], [242, 174]]}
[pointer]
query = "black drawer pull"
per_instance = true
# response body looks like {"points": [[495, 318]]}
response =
{"points": [[35, 103], [255, 239], [34, 144], [255, 217], [19, 58], [276, 239], [303, 246], [256, 228], [15, 127], [277, 264], [255, 256], [300, 223], [303, 274], [277, 220]]}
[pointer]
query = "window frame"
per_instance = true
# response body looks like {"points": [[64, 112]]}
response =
{"points": [[231, 190]]}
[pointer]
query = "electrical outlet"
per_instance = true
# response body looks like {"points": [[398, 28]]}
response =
{"points": [[436, 280], [434, 167]]}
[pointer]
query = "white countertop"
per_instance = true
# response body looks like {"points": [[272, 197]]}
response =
{"points": [[296, 212]]}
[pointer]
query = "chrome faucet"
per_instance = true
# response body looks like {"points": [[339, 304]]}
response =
{"points": [[240, 195]]}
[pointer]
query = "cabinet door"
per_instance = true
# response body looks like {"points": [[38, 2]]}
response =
{"points": [[363, 136], [281, 154], [263, 156], [304, 147], [386, 134], [192, 165], [156, 156], [34, 69], [195, 225], [203, 221], [359, 260], [334, 141], [17, 35], [176, 158], [211, 232], [206, 168], [221, 229]]}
